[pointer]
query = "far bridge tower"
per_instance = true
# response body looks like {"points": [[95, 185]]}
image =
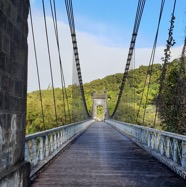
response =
{"points": [[99, 99]]}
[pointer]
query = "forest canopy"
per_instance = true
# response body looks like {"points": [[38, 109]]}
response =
{"points": [[131, 108]]}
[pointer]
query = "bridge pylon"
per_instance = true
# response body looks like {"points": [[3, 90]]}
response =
{"points": [[99, 99]]}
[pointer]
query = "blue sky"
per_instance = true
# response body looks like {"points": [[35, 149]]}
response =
{"points": [[113, 19], [104, 29]]}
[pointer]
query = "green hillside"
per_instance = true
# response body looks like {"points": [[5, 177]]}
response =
{"points": [[128, 108]]}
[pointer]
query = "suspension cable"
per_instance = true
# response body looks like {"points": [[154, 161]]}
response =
{"points": [[150, 67], [139, 13], [37, 67], [170, 43], [65, 91], [50, 62], [70, 15], [54, 18]]}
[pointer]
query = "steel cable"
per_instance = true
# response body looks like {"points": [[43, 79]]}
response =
{"points": [[139, 12], [50, 62], [151, 62]]}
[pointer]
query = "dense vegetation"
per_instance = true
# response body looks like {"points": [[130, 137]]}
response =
{"points": [[129, 106]]}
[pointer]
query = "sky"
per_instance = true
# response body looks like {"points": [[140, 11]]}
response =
{"points": [[103, 29]]}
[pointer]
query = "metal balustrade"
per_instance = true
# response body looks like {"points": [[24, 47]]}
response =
{"points": [[41, 145], [169, 148]]}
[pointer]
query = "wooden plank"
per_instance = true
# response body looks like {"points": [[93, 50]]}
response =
{"points": [[104, 157]]}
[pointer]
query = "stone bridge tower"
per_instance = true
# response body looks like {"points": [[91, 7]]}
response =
{"points": [[99, 99], [14, 171]]}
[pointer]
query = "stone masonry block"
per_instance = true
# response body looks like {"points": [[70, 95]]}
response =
{"points": [[6, 45], [18, 89], [8, 122], [2, 61], [1, 101], [24, 91], [1, 6], [23, 120], [12, 50], [1, 40], [7, 9], [17, 37], [22, 105], [3, 122], [15, 155], [5, 83], [3, 20], [16, 70], [2, 135], [12, 86], [8, 65], [14, 104], [6, 143], [10, 29], [7, 102], [4, 157], [14, 2]]}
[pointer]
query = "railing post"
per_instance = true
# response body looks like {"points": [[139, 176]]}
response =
{"points": [[61, 137], [46, 146], [152, 140], [64, 135], [41, 151], [148, 139], [55, 141], [143, 136], [26, 151], [157, 141], [161, 145], [167, 147], [58, 139], [175, 150], [51, 143], [183, 162], [34, 154]]}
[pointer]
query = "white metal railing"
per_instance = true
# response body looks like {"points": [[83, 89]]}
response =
{"points": [[40, 145], [170, 145]]}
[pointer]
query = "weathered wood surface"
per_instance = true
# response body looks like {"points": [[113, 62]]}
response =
{"points": [[104, 157]]}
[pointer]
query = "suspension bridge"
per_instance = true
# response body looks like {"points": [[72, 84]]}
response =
{"points": [[82, 149]]}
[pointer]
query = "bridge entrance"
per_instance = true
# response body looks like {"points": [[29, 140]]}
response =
{"points": [[99, 106]]}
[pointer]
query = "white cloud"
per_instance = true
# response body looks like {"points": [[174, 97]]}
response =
{"points": [[97, 60]]}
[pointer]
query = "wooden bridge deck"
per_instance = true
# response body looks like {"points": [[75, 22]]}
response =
{"points": [[104, 157]]}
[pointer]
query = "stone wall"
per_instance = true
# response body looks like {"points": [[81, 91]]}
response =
{"points": [[13, 89]]}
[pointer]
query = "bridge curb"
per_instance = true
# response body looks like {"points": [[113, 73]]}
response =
{"points": [[168, 162]]}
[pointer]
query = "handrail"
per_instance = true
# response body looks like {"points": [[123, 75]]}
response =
{"points": [[169, 134], [43, 133], [42, 145], [167, 147]]}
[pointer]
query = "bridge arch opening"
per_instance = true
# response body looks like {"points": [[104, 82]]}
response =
{"points": [[100, 114], [99, 106]]}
